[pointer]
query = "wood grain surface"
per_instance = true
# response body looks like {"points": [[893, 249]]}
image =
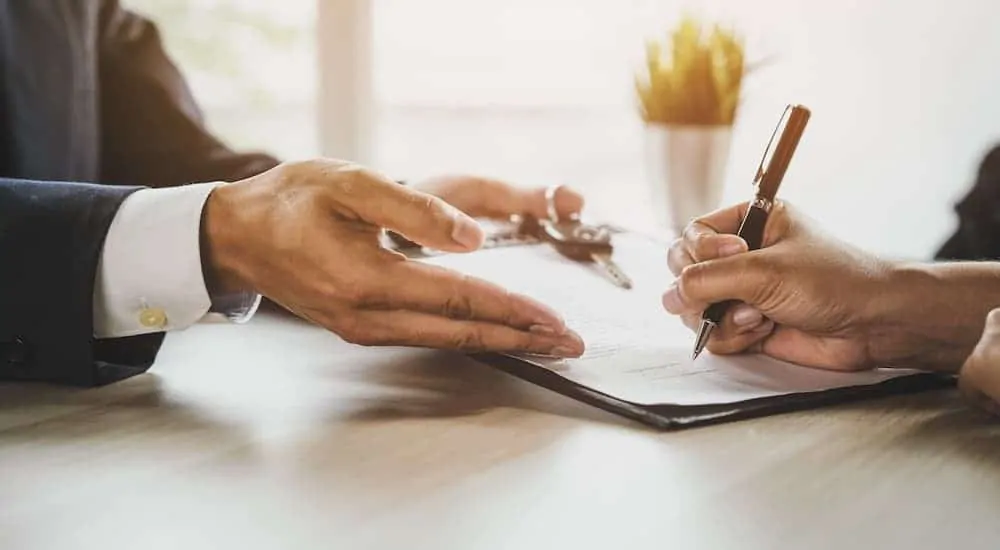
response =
{"points": [[279, 435]]}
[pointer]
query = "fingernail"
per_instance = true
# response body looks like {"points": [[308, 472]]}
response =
{"points": [[540, 315], [672, 300], [576, 343], [570, 345], [747, 316], [563, 351], [467, 232]]}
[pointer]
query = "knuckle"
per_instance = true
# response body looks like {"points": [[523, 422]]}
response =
{"points": [[341, 176], [292, 168], [702, 247], [356, 293], [316, 180], [468, 340], [427, 202], [508, 313], [498, 304], [353, 332], [350, 179], [368, 296], [305, 169], [426, 208], [676, 245], [677, 258], [690, 233], [458, 305], [690, 279], [432, 206]]}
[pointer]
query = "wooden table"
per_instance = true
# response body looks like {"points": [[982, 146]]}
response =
{"points": [[278, 435]]}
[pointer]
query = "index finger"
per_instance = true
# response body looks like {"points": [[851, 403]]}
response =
{"points": [[724, 220], [714, 235], [420, 217], [429, 288], [745, 277]]}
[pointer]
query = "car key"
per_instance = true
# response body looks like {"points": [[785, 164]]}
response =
{"points": [[580, 242]]}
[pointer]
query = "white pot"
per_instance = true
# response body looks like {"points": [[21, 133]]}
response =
{"points": [[685, 171]]}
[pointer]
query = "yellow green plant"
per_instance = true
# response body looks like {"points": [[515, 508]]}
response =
{"points": [[693, 77]]}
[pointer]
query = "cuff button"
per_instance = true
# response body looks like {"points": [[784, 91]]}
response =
{"points": [[153, 317]]}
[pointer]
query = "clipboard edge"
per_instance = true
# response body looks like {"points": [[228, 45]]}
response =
{"points": [[676, 417]]}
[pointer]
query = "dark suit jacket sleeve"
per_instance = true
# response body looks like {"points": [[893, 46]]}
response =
{"points": [[51, 236], [977, 236], [153, 133]]}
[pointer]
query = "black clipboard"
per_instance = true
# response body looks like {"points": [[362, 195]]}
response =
{"points": [[677, 417]]}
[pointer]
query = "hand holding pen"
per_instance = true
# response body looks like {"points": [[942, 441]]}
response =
{"points": [[770, 173]]}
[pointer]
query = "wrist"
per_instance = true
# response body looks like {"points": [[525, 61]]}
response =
{"points": [[930, 316], [221, 268]]}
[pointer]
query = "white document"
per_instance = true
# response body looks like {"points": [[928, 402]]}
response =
{"points": [[636, 351]]}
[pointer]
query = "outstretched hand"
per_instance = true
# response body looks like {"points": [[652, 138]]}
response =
{"points": [[306, 235]]}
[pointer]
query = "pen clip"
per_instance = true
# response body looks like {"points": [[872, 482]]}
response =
{"points": [[767, 150]]}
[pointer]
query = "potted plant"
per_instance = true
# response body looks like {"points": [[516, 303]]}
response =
{"points": [[688, 94]]}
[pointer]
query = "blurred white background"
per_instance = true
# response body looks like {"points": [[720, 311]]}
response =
{"points": [[903, 95]]}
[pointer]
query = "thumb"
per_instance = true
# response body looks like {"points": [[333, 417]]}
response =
{"points": [[979, 378]]}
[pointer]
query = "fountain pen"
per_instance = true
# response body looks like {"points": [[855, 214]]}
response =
{"points": [[770, 172]]}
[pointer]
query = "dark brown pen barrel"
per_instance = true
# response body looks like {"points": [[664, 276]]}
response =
{"points": [[752, 231], [716, 312], [752, 228]]}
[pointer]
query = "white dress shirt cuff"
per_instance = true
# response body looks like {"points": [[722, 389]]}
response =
{"points": [[149, 277]]}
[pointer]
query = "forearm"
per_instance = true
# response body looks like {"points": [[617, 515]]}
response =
{"points": [[930, 316]]}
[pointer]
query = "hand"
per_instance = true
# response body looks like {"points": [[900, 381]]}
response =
{"points": [[979, 379], [809, 299], [804, 298], [306, 235], [489, 198]]}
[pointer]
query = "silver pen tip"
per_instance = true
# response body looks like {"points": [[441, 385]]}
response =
{"points": [[703, 335]]}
